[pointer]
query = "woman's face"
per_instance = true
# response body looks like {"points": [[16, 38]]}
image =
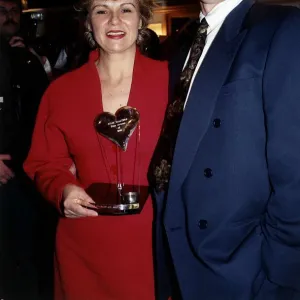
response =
{"points": [[115, 24]]}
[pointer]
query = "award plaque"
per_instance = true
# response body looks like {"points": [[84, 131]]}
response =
{"points": [[109, 200], [119, 198]]}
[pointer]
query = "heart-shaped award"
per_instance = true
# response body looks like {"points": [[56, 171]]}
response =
{"points": [[119, 127]]}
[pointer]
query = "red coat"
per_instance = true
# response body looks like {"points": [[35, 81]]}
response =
{"points": [[106, 257]]}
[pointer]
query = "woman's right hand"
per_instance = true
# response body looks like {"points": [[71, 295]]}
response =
{"points": [[75, 199]]}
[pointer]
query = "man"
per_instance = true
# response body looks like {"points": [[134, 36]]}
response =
{"points": [[29, 78], [5, 109], [10, 17], [229, 212], [26, 83]]}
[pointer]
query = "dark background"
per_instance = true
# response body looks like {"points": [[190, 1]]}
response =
{"points": [[49, 3], [56, 3]]}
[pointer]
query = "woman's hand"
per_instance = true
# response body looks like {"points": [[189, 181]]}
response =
{"points": [[74, 200]]}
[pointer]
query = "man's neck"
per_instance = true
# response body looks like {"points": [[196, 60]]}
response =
{"points": [[207, 7]]}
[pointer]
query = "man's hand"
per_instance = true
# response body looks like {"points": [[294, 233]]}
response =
{"points": [[17, 41], [5, 172], [75, 199]]}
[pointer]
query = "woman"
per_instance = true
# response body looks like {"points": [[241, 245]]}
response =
{"points": [[100, 257]]}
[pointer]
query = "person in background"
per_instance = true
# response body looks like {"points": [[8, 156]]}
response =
{"points": [[6, 134], [29, 80], [178, 40], [18, 196], [151, 47], [101, 257], [226, 171], [18, 270], [66, 49], [10, 19]]}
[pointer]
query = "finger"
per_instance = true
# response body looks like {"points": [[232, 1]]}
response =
{"points": [[8, 172], [79, 194], [5, 177], [85, 198], [70, 202], [5, 157], [5, 174], [3, 180], [19, 44], [80, 214], [85, 212], [79, 211], [16, 39], [71, 214], [87, 204]]}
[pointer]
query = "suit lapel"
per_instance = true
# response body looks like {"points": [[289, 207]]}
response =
{"points": [[204, 93]]}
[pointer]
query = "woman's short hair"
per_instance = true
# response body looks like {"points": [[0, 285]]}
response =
{"points": [[146, 11]]}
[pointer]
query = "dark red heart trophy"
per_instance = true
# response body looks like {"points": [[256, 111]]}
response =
{"points": [[119, 198]]}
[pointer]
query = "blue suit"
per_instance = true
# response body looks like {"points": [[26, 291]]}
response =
{"points": [[232, 213]]}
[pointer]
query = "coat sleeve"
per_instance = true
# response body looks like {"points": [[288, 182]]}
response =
{"points": [[49, 161], [281, 92]]}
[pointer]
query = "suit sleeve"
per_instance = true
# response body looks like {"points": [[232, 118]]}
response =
{"points": [[48, 162], [281, 92]]}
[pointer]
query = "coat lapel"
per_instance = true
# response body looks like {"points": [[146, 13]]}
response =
{"points": [[205, 90]]}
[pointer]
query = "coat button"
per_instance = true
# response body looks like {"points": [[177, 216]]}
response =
{"points": [[217, 123], [208, 173], [202, 224]]}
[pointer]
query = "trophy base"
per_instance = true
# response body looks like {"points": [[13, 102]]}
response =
{"points": [[111, 201]]}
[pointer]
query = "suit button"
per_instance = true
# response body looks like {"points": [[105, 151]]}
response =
{"points": [[217, 123], [208, 173], [202, 224]]}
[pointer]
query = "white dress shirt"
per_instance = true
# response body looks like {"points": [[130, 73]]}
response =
{"points": [[214, 19]]}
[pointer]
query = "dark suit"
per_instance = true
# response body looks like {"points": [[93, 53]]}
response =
{"points": [[7, 115], [22, 82], [232, 214]]}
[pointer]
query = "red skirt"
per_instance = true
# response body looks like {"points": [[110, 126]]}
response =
{"points": [[105, 258]]}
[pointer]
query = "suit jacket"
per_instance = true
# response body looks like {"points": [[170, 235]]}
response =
{"points": [[7, 115], [29, 82], [232, 215]]}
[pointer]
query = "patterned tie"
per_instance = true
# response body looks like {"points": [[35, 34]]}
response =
{"points": [[160, 167]]}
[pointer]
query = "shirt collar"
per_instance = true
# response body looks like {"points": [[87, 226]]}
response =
{"points": [[219, 13]]}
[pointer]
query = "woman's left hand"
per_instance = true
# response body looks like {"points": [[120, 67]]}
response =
{"points": [[76, 202]]}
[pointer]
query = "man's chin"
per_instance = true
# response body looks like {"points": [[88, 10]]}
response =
{"points": [[8, 33]]}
